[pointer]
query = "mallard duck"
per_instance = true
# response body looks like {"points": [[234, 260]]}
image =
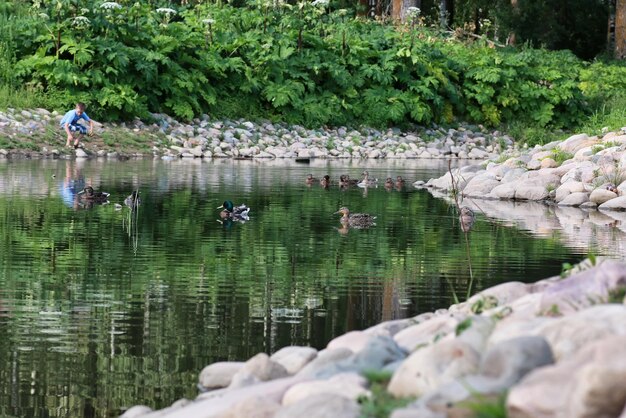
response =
{"points": [[346, 181], [399, 182], [230, 211], [133, 200], [310, 179], [467, 219], [355, 220], [325, 181], [90, 195], [367, 181], [389, 183]]}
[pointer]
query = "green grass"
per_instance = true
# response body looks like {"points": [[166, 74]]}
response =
{"points": [[610, 115], [24, 98], [487, 407], [381, 404]]}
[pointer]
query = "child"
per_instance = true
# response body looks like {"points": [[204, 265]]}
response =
{"points": [[70, 124]]}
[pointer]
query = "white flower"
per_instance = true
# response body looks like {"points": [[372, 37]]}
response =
{"points": [[342, 12], [320, 2], [84, 10], [110, 5], [80, 21], [166, 10], [208, 21], [413, 11], [44, 16]]}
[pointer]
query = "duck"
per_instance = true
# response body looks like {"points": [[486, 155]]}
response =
{"points": [[90, 195], [400, 182], [367, 181], [346, 181], [230, 211], [389, 183], [310, 179], [325, 181], [133, 200], [467, 218], [355, 220]]}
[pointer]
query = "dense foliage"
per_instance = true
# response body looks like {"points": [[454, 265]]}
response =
{"points": [[301, 64]]}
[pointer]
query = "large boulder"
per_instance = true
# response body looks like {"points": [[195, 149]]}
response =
{"points": [[219, 375], [351, 385], [323, 405], [294, 358], [599, 196]]}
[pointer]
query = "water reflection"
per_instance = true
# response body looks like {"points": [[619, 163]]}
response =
{"points": [[106, 308]]}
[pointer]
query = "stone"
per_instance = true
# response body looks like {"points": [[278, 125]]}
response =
{"points": [[504, 191], [480, 186], [219, 375], [590, 384], [80, 153], [568, 188], [293, 358], [575, 199], [549, 163], [534, 193], [355, 341], [323, 405], [351, 385], [390, 328], [574, 143], [428, 368], [326, 359], [426, 332], [253, 407], [599, 196], [263, 368], [618, 203], [136, 411]]}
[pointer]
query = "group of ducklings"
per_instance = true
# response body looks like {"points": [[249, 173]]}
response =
{"points": [[366, 181], [88, 197]]}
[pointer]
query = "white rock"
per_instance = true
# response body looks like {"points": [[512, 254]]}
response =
{"points": [[293, 358], [262, 367], [534, 193], [350, 385], [599, 196], [323, 405], [618, 203], [429, 367], [575, 199], [219, 375], [253, 407], [568, 188], [136, 411]]}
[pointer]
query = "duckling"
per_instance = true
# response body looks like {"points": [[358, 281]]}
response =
{"points": [[90, 195], [133, 200], [237, 213], [389, 183], [467, 218], [367, 181], [355, 220], [310, 179], [611, 187], [399, 182], [325, 181]]}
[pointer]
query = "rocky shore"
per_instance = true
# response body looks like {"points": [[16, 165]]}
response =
{"points": [[553, 348], [35, 133], [581, 171]]}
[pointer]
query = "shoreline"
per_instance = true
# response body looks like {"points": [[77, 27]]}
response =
{"points": [[35, 133], [541, 343]]}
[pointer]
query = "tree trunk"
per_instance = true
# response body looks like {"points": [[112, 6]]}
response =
{"points": [[620, 29], [511, 40], [399, 8]]}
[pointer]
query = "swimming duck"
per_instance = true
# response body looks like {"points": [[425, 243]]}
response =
{"points": [[310, 179], [325, 181], [467, 219], [133, 200], [230, 211], [355, 220], [90, 195], [346, 181], [367, 181], [389, 183], [399, 182]]}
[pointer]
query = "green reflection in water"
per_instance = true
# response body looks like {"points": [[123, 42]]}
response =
{"points": [[98, 313]]}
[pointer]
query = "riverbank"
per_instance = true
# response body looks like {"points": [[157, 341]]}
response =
{"points": [[522, 349], [581, 171], [35, 133]]}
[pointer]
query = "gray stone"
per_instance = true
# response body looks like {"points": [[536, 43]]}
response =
{"points": [[323, 405], [575, 199], [263, 368], [534, 193], [600, 196], [219, 375], [80, 153], [136, 411], [351, 385], [325, 360]]}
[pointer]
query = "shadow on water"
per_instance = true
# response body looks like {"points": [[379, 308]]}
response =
{"points": [[102, 309]]}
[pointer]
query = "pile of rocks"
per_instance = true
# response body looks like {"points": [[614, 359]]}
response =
{"points": [[580, 171], [203, 138], [557, 347]]}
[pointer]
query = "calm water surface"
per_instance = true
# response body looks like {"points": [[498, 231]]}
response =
{"points": [[101, 310]]}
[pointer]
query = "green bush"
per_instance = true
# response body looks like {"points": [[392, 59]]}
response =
{"points": [[304, 64]]}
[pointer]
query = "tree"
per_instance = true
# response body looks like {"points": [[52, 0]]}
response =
{"points": [[620, 29]]}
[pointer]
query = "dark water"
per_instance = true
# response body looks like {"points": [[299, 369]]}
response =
{"points": [[100, 310]]}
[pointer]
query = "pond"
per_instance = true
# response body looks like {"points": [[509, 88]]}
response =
{"points": [[102, 309]]}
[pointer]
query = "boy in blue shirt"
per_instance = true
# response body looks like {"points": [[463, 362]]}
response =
{"points": [[70, 124]]}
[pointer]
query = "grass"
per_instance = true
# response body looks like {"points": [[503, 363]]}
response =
{"points": [[610, 115], [24, 98], [381, 404], [561, 156], [487, 407]]}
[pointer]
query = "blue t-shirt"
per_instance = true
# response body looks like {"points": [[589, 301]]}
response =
{"points": [[72, 118]]}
